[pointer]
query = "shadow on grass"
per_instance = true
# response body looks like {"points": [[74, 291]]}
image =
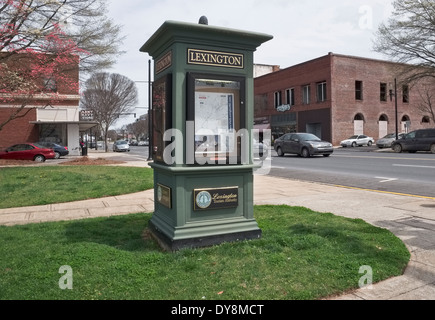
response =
{"points": [[121, 232]]}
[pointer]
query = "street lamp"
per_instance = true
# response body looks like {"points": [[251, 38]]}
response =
{"points": [[150, 102], [395, 105]]}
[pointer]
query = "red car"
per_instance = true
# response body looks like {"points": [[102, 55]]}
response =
{"points": [[28, 151]]}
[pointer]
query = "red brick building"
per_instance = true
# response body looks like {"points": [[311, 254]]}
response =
{"points": [[50, 115], [335, 97]]}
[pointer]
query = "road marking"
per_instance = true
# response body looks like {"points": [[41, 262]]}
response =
{"points": [[380, 157], [413, 166], [385, 192], [383, 179]]}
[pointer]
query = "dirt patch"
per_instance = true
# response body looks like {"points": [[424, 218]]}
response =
{"points": [[4, 162], [82, 161], [85, 161]]}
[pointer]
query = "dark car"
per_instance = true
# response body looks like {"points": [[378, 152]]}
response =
{"points": [[303, 144], [28, 151], [59, 151], [418, 140]]}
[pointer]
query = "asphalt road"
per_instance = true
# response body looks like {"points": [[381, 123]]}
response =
{"points": [[364, 168]]}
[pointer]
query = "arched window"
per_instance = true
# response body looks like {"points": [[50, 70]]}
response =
{"points": [[425, 119], [383, 117], [359, 117]]}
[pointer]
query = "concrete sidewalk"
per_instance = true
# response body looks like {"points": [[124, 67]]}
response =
{"points": [[412, 219]]}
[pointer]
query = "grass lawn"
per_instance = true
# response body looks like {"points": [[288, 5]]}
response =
{"points": [[29, 186], [301, 255]]}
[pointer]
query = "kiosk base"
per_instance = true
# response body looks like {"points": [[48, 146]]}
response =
{"points": [[170, 244]]}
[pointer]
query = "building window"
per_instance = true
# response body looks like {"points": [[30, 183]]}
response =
{"points": [[278, 101], [425, 119], [358, 90], [290, 97], [405, 94], [321, 91], [383, 89], [50, 85], [306, 91]]}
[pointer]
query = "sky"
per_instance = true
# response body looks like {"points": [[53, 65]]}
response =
{"points": [[301, 30]]}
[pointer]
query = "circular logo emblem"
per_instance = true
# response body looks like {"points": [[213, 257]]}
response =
{"points": [[203, 199]]}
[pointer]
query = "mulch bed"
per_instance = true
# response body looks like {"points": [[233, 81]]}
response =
{"points": [[82, 161]]}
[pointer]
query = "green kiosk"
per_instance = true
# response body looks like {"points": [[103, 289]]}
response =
{"points": [[202, 119]]}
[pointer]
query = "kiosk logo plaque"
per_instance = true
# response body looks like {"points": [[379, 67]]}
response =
{"points": [[220, 198]]}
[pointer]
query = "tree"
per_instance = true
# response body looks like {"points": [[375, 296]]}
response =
{"points": [[109, 96], [409, 39], [427, 100], [30, 75], [41, 39], [25, 24], [139, 128]]}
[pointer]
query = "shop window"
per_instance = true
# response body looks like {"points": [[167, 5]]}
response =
{"points": [[405, 93], [321, 91], [278, 101], [290, 96], [306, 92], [358, 90], [383, 92], [50, 85]]}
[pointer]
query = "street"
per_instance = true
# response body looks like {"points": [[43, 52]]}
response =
{"points": [[364, 168]]}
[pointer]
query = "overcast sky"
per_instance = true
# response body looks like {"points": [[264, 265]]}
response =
{"points": [[301, 30]]}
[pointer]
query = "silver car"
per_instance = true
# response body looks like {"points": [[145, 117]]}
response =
{"points": [[303, 144], [357, 140], [388, 140], [121, 146]]}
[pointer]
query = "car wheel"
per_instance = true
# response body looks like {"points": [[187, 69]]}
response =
{"points": [[432, 148], [305, 153], [39, 158], [56, 155], [280, 153], [397, 148], [369, 144], [353, 144]]}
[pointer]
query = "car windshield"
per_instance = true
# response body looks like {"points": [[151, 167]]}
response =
{"points": [[308, 137], [389, 136], [121, 142], [39, 146]]}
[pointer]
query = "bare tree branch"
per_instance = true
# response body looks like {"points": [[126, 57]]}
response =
{"points": [[109, 96]]}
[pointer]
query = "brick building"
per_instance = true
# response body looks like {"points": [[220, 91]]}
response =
{"points": [[50, 115], [335, 97]]}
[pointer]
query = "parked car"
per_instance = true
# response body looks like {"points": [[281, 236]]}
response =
{"points": [[121, 145], [388, 140], [357, 140], [142, 143], [28, 151], [419, 140], [59, 151], [303, 144]]}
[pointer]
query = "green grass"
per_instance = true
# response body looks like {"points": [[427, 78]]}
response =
{"points": [[302, 255], [28, 186]]}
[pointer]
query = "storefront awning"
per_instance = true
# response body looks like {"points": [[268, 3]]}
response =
{"points": [[83, 125], [263, 126]]}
